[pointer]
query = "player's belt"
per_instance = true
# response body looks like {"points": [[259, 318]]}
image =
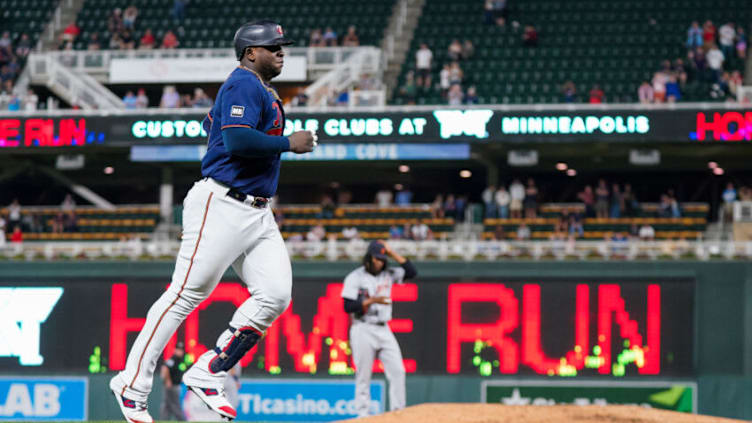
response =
{"points": [[372, 323], [257, 202]]}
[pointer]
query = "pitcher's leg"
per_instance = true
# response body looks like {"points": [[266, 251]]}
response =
{"points": [[394, 368], [363, 354]]}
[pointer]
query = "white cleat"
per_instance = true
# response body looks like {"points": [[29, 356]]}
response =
{"points": [[216, 400], [133, 411]]}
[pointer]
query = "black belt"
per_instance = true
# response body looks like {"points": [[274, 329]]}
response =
{"points": [[373, 323], [258, 202]]}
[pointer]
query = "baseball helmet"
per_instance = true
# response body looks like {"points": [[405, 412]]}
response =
{"points": [[258, 34]]}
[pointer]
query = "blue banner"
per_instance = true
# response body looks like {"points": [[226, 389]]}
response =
{"points": [[324, 152], [43, 399], [303, 400]]}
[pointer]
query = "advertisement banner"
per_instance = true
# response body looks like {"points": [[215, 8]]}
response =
{"points": [[324, 152], [303, 400], [43, 399], [590, 327], [188, 69], [473, 126], [674, 396]]}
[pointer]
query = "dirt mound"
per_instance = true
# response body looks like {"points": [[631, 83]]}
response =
{"points": [[493, 413]]}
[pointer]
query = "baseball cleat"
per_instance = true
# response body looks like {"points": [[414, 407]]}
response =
{"points": [[216, 400], [133, 411]]}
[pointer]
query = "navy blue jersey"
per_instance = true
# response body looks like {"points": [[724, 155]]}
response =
{"points": [[243, 101]]}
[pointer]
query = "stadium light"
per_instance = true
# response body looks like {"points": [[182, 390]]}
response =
{"points": [[404, 168], [571, 172], [464, 173], [561, 166], [718, 171], [712, 165], [109, 170]]}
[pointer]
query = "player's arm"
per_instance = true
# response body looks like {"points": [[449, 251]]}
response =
{"points": [[404, 262], [242, 106]]}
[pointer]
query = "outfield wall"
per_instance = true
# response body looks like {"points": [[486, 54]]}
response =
{"points": [[705, 321]]}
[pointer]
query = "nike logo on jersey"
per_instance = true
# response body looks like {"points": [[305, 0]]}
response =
{"points": [[237, 111]]}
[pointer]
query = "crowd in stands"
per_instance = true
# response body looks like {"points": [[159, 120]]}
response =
{"points": [[12, 56], [329, 38], [709, 54], [14, 224], [171, 99]]}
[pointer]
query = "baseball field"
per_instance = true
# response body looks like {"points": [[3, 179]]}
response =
{"points": [[496, 413]]}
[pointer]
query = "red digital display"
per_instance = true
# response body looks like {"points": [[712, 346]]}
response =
{"points": [[42, 132], [725, 126], [552, 328]]}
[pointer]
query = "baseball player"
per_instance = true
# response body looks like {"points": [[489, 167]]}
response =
{"points": [[367, 296], [226, 222]]}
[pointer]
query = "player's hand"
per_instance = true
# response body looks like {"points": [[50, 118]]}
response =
{"points": [[387, 248], [302, 142], [381, 300]]}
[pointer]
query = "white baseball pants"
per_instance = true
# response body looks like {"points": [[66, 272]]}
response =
{"points": [[368, 342], [218, 232]]}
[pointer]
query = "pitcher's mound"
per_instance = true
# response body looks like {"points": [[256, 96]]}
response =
{"points": [[493, 413]]}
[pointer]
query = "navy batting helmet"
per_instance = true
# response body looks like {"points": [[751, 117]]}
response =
{"points": [[258, 34]]}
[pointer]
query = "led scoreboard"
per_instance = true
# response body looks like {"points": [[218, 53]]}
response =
{"points": [[549, 328]]}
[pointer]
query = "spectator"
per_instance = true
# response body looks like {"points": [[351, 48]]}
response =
{"points": [[23, 47], [14, 104], [729, 196], [673, 93], [468, 49], [680, 70], [645, 93], [444, 83], [502, 202], [327, 207], [601, 200], [31, 101], [130, 100], [178, 9], [127, 42], [71, 32], [93, 44], [142, 101], [588, 200], [409, 90], [395, 232], [454, 51], [715, 60], [460, 206], [597, 95], [450, 207], [489, 201], [700, 61], [423, 59], [499, 234], [129, 17], [200, 99], [421, 232], [404, 197], [456, 75], [722, 87], [437, 209], [6, 43], [455, 95], [741, 43], [647, 233], [115, 41], [170, 98], [147, 40], [316, 233], [674, 208], [14, 213], [735, 81], [316, 39], [659, 86], [384, 198], [530, 36], [496, 12], [517, 194], [575, 227], [170, 40], [300, 100], [351, 38], [17, 236], [330, 37], [530, 203], [2, 230], [708, 34], [694, 36], [568, 92], [350, 233], [630, 201], [471, 97], [726, 38], [57, 223], [70, 222], [115, 21], [617, 202], [523, 232]]}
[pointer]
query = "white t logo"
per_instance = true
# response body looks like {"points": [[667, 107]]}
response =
{"points": [[469, 122], [22, 312]]}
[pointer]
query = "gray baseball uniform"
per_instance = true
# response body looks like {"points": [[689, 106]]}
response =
{"points": [[370, 336]]}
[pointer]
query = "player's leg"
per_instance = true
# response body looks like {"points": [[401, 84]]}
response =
{"points": [[207, 249], [265, 268], [394, 368], [363, 353]]}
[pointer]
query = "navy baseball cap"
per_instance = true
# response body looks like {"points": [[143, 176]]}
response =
{"points": [[377, 249]]}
